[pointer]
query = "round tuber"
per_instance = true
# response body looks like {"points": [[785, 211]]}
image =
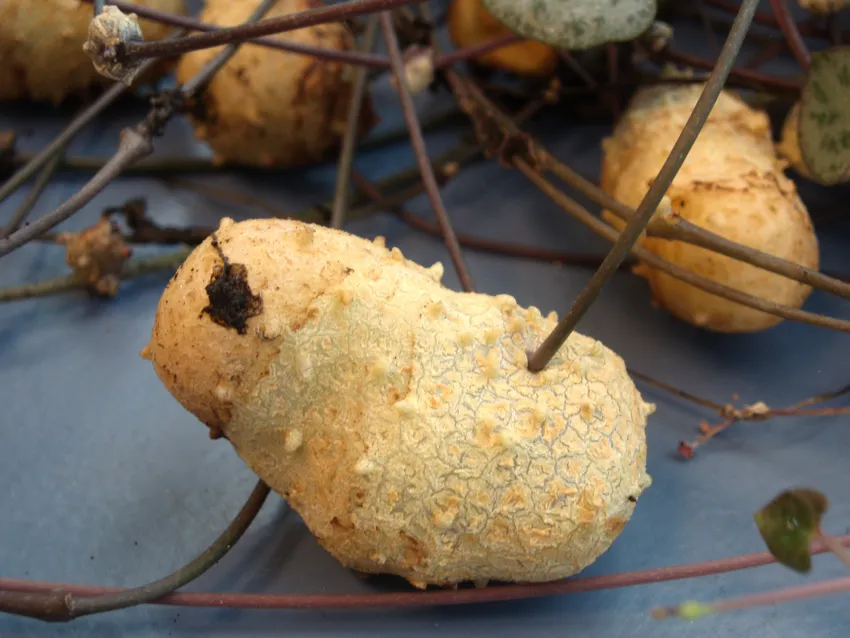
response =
{"points": [[732, 184], [41, 48], [396, 416], [268, 107], [470, 24]]}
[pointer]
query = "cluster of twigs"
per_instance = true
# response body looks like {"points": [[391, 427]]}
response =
{"points": [[497, 132]]}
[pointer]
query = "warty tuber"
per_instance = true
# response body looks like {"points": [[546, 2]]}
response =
{"points": [[396, 416], [731, 183], [268, 107]]}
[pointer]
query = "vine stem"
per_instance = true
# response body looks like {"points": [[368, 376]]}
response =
{"points": [[35, 193], [421, 151], [693, 610], [792, 33], [191, 24], [342, 191], [135, 268], [835, 546], [134, 51], [635, 226], [63, 604], [397, 600]]}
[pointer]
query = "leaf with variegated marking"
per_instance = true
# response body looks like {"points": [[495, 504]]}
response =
{"points": [[825, 116], [575, 24], [788, 523]]}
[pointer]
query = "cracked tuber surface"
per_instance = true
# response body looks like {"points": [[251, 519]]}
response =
{"points": [[398, 417]]}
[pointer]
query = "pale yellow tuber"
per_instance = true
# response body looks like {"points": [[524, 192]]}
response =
{"points": [[732, 184], [41, 48], [470, 24], [396, 416], [268, 107]]}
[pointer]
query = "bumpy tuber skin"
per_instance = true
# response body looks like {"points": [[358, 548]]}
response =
{"points": [[273, 108], [731, 183], [398, 417], [41, 48], [470, 24]]}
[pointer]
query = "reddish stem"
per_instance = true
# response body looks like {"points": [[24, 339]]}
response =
{"points": [[496, 593], [791, 33]]}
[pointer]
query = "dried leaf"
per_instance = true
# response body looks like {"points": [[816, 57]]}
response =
{"points": [[788, 523], [575, 24], [825, 116]]}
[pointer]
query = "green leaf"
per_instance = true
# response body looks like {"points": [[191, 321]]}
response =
{"points": [[825, 116], [788, 523], [575, 24]]}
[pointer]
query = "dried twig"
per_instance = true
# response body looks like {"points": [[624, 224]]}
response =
{"points": [[418, 142], [134, 51], [349, 140], [34, 194], [791, 32]]}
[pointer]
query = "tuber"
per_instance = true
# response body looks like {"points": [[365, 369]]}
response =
{"points": [[823, 7], [470, 24], [732, 184], [41, 48], [268, 107], [396, 416]]}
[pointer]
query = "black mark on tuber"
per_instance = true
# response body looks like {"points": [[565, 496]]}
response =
{"points": [[231, 301]]}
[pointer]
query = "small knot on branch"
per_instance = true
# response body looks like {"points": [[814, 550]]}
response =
{"points": [[97, 256], [109, 32]]}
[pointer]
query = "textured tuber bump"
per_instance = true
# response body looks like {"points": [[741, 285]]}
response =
{"points": [[470, 24], [41, 48], [273, 108], [97, 256], [398, 417], [732, 184]]}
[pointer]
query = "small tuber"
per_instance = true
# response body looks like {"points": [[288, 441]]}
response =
{"points": [[396, 416], [268, 107], [470, 24], [41, 48], [732, 184]]}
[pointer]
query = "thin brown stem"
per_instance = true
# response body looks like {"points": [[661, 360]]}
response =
{"points": [[191, 24], [577, 68], [61, 605], [478, 243], [649, 204], [342, 193], [676, 391], [414, 599], [792, 33], [418, 142], [739, 73], [134, 51], [477, 50]]}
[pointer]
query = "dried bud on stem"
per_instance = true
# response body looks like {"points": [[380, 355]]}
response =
{"points": [[108, 32], [418, 69], [97, 255]]}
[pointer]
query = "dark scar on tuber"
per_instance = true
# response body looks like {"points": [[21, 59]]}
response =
{"points": [[231, 301]]}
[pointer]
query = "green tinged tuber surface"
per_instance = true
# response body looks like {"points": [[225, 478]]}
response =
{"points": [[396, 416]]}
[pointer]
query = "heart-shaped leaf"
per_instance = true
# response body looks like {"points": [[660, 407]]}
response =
{"points": [[788, 523], [825, 116], [575, 24]]}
